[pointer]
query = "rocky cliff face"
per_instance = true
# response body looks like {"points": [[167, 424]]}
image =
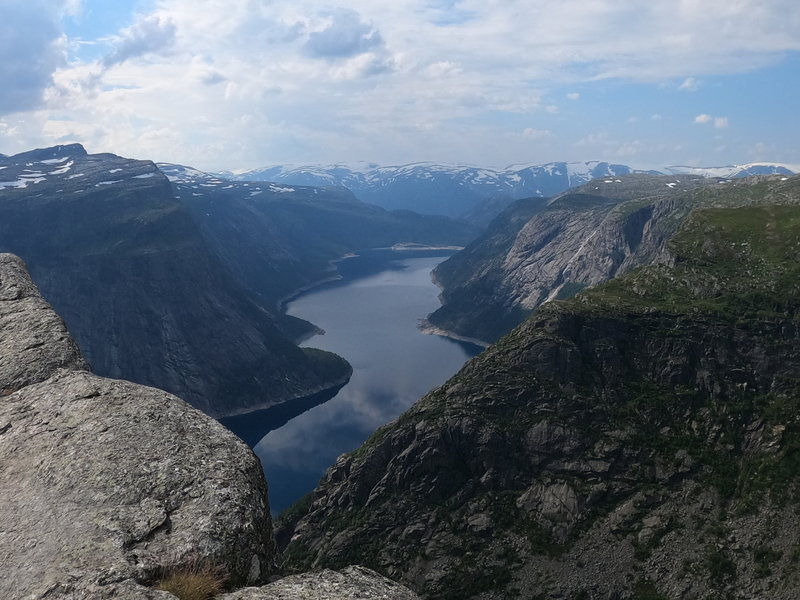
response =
{"points": [[124, 263], [535, 253], [106, 483], [637, 441]]}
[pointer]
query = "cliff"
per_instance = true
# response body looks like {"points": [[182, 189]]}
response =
{"points": [[124, 263], [107, 483], [537, 252], [638, 441]]}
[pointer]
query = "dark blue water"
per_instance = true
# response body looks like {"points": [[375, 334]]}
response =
{"points": [[370, 318]]}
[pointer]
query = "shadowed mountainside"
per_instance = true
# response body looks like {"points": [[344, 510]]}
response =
{"points": [[176, 284]]}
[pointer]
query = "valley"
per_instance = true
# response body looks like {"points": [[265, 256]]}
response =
{"points": [[630, 431], [370, 317], [638, 440], [177, 284]]}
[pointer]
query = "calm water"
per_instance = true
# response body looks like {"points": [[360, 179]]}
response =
{"points": [[370, 318]]}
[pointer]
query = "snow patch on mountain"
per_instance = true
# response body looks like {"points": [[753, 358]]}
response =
{"points": [[736, 171], [455, 190]]}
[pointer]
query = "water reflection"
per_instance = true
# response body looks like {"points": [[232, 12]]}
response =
{"points": [[371, 320]]}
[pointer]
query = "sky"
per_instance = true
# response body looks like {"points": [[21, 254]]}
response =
{"points": [[241, 84]]}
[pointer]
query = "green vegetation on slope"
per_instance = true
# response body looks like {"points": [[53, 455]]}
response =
{"points": [[640, 426]]}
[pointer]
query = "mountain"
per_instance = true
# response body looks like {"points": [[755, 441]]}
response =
{"points": [[451, 190], [176, 285], [640, 440], [277, 239], [736, 171], [539, 251], [122, 259], [473, 193]]}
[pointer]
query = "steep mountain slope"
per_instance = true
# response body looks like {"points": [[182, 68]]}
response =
{"points": [[125, 264], [638, 441], [176, 284], [580, 238], [451, 190]]}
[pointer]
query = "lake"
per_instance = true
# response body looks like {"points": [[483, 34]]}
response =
{"points": [[370, 318]]}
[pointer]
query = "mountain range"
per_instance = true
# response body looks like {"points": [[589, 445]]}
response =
{"points": [[632, 432], [474, 193]]}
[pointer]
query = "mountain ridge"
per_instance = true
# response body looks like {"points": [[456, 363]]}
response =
{"points": [[539, 251], [639, 440], [463, 190]]}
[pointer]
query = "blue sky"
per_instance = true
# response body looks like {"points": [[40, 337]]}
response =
{"points": [[233, 84]]}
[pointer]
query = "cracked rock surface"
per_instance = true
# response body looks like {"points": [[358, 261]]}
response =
{"points": [[352, 583], [105, 483]]}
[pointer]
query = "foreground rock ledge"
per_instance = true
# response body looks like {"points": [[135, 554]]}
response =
{"points": [[105, 483]]}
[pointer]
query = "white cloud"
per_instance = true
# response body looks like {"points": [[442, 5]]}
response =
{"points": [[253, 81], [689, 85], [31, 49], [154, 33], [345, 35], [718, 122], [536, 134]]}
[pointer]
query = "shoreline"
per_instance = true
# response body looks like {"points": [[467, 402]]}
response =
{"points": [[415, 247], [429, 328], [282, 302], [322, 388], [425, 326]]}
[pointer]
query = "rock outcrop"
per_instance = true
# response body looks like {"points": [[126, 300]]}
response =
{"points": [[352, 583], [107, 483], [33, 339], [535, 253], [637, 441]]}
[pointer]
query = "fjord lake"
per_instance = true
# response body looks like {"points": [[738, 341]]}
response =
{"points": [[371, 318]]}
